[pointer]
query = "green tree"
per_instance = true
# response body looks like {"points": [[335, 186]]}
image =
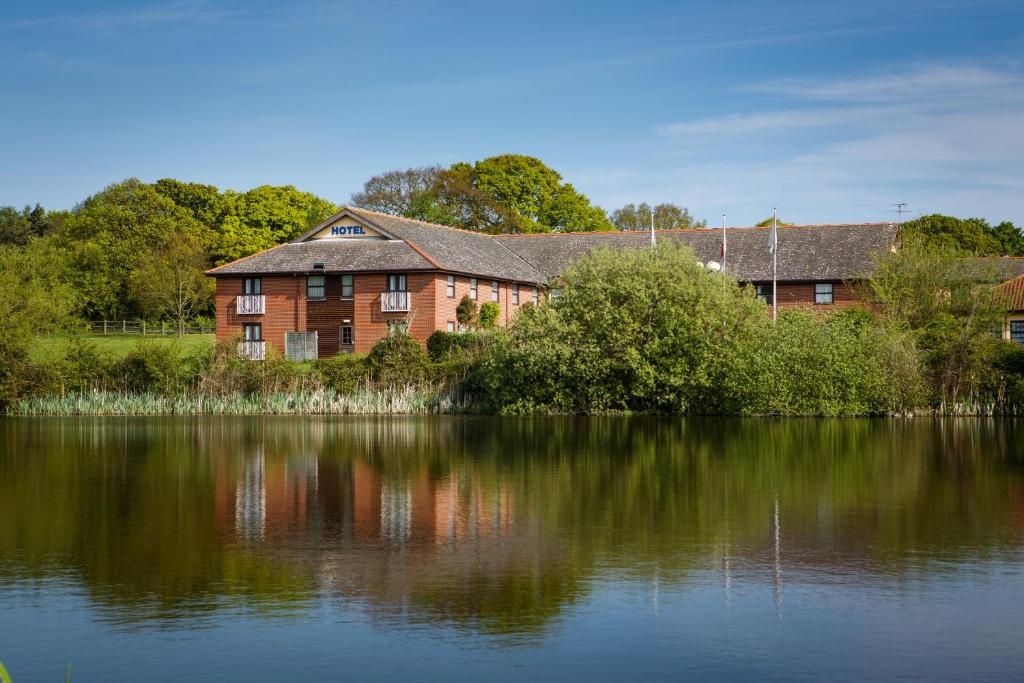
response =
{"points": [[204, 202], [966, 235], [488, 316], [767, 222], [36, 300], [466, 312], [109, 232], [264, 217], [666, 217], [169, 281], [536, 193], [645, 330], [18, 227]]}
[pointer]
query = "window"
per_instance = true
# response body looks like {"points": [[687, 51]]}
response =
{"points": [[300, 346], [451, 286], [536, 296], [348, 286], [823, 293], [495, 292], [451, 325], [252, 285], [315, 287], [472, 288], [1017, 331], [764, 292], [396, 283], [396, 327], [555, 293], [515, 295], [253, 332], [346, 336]]}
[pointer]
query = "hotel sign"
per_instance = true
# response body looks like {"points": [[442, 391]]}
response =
{"points": [[347, 231]]}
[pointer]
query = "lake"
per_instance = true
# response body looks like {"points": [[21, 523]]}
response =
{"points": [[534, 549]]}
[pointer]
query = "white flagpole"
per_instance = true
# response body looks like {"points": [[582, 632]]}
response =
{"points": [[775, 264], [652, 226], [725, 246]]}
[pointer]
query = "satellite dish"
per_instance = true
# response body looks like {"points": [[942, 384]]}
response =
{"points": [[714, 266]]}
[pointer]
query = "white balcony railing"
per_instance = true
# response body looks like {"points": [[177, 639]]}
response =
{"points": [[250, 304], [252, 350], [394, 302]]}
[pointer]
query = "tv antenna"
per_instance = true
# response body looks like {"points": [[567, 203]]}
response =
{"points": [[900, 210]]}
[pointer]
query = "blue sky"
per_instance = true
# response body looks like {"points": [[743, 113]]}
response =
{"points": [[831, 111]]}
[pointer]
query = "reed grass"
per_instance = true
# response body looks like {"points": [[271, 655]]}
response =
{"points": [[399, 400]]}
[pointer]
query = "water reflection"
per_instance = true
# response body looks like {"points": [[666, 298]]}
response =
{"points": [[493, 525]]}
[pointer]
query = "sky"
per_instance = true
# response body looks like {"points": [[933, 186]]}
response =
{"points": [[831, 111]]}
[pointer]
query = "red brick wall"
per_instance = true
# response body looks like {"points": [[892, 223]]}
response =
{"points": [[288, 310], [285, 309], [445, 307], [801, 294]]}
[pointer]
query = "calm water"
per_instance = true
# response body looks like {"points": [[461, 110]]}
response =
{"points": [[489, 549]]}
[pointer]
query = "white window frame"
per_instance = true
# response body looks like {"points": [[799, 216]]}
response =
{"points": [[252, 285], [472, 288], [398, 282], [536, 296], [495, 290], [515, 295], [247, 333], [351, 286], [451, 326], [451, 286], [823, 290]]}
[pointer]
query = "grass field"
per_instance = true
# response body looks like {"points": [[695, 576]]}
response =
{"points": [[119, 345]]}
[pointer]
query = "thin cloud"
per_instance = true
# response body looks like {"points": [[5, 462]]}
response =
{"points": [[936, 81], [187, 11]]}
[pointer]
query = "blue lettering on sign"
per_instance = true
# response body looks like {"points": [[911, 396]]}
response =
{"points": [[342, 230]]}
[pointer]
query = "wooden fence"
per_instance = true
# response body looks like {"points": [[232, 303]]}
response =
{"points": [[142, 327]]}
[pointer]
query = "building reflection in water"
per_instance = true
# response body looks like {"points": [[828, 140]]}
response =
{"points": [[497, 525]]}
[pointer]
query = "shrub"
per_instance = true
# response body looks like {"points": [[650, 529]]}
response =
{"points": [[645, 330], [156, 368], [466, 312], [488, 315], [398, 359], [343, 373], [443, 345]]}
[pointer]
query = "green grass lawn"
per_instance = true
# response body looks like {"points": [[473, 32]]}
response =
{"points": [[120, 344]]}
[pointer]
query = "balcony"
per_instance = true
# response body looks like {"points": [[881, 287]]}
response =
{"points": [[394, 302], [250, 304], [252, 350]]}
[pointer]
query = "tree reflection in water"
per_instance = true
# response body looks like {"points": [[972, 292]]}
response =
{"points": [[495, 525]]}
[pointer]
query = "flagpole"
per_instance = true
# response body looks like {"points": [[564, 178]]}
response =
{"points": [[652, 226], [775, 264], [725, 247]]}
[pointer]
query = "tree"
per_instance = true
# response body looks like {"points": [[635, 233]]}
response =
{"points": [[666, 217], [169, 281], [18, 227], [640, 330], [488, 316], [402, 193], [536, 193], [108, 236], [966, 235], [508, 193], [466, 312], [264, 217], [767, 222], [204, 202], [36, 300]]}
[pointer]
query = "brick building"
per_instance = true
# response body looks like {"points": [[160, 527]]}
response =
{"points": [[360, 275]]}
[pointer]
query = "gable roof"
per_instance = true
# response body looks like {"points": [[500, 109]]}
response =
{"points": [[1013, 291], [813, 252], [810, 252]]}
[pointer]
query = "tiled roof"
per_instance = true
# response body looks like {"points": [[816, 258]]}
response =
{"points": [[455, 250], [1013, 290], [812, 252], [336, 255]]}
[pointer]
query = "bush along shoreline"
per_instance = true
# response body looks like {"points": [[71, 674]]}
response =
{"points": [[631, 332]]}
